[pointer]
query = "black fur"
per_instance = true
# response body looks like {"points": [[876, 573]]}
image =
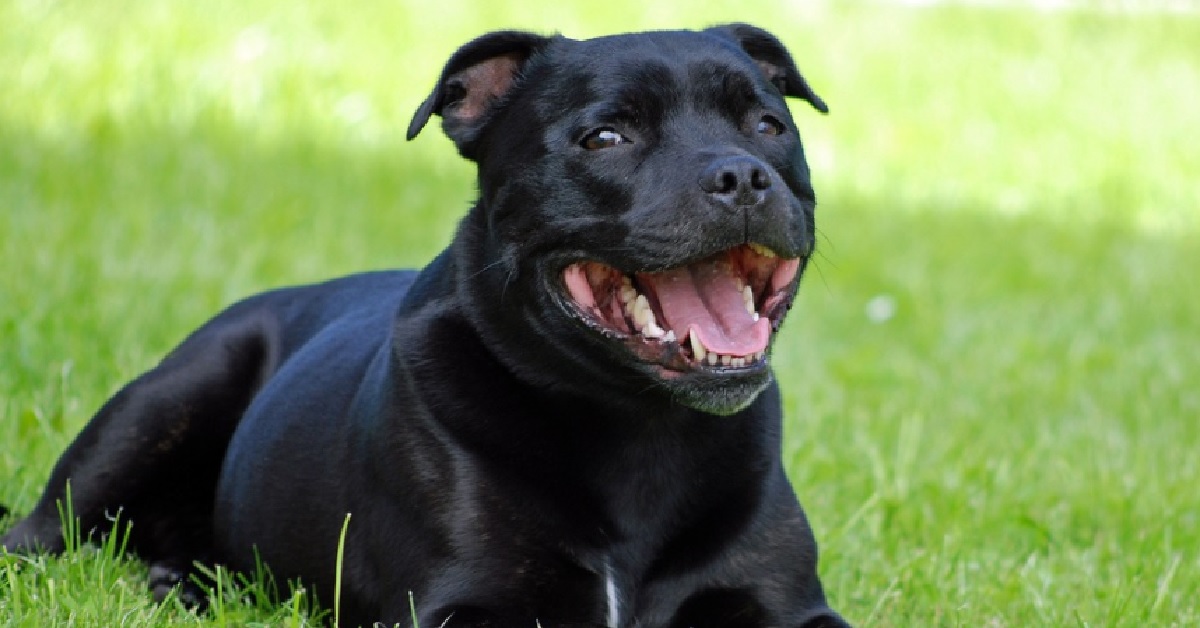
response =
{"points": [[501, 459]]}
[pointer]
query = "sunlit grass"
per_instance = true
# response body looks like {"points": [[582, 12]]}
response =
{"points": [[989, 376]]}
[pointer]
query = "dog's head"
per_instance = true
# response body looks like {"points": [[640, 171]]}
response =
{"points": [[646, 194]]}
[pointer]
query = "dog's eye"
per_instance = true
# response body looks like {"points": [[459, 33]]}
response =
{"points": [[604, 137], [770, 125]]}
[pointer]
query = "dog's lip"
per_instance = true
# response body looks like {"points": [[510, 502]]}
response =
{"points": [[692, 327]]}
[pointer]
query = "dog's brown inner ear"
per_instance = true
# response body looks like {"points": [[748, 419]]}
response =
{"points": [[775, 74], [479, 73], [478, 86]]}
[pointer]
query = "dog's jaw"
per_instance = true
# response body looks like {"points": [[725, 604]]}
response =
{"points": [[703, 328]]}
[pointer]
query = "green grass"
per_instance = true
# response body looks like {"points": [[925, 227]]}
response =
{"points": [[1016, 445]]}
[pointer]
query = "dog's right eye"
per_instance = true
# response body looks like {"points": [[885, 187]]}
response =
{"points": [[604, 137], [770, 125]]}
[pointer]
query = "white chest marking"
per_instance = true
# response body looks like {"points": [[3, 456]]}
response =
{"points": [[614, 601]]}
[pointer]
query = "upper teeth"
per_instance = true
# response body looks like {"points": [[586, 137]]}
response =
{"points": [[761, 250], [748, 299], [641, 312], [628, 292], [651, 330], [637, 306]]}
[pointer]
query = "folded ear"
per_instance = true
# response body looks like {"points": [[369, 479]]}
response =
{"points": [[773, 59], [477, 76]]}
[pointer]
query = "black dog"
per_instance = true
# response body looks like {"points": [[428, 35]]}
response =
{"points": [[567, 418]]}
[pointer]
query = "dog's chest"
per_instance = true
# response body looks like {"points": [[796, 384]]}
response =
{"points": [[612, 597]]}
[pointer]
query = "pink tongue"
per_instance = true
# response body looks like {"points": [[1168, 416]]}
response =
{"points": [[705, 298]]}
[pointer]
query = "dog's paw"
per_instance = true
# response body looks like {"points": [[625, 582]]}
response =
{"points": [[33, 534], [167, 577]]}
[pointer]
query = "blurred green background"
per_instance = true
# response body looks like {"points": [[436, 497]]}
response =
{"points": [[991, 374]]}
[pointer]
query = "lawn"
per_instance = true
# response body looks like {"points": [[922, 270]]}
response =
{"points": [[990, 376]]}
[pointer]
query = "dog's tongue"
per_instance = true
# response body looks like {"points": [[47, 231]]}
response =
{"points": [[705, 298]]}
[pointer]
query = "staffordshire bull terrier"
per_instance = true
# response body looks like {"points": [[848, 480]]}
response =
{"points": [[567, 418]]}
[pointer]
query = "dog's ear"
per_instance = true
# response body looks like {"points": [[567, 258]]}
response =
{"points": [[773, 59], [479, 74]]}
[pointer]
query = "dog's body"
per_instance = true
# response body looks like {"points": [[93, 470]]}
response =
{"points": [[566, 418]]}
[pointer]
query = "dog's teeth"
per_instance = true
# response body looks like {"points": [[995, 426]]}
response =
{"points": [[761, 250], [628, 292], [758, 356], [698, 348], [640, 310], [643, 317], [755, 316], [726, 360], [713, 359], [670, 337], [748, 299], [738, 362]]}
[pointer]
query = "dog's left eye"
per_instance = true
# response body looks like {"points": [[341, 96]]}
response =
{"points": [[604, 137], [770, 125]]}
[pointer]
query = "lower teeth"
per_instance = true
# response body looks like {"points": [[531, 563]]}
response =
{"points": [[718, 359]]}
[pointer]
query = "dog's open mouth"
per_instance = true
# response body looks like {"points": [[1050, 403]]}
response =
{"points": [[715, 313]]}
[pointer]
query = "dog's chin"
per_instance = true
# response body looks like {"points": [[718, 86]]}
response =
{"points": [[722, 395]]}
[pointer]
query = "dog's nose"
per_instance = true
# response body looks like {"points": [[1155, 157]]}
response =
{"points": [[738, 181]]}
